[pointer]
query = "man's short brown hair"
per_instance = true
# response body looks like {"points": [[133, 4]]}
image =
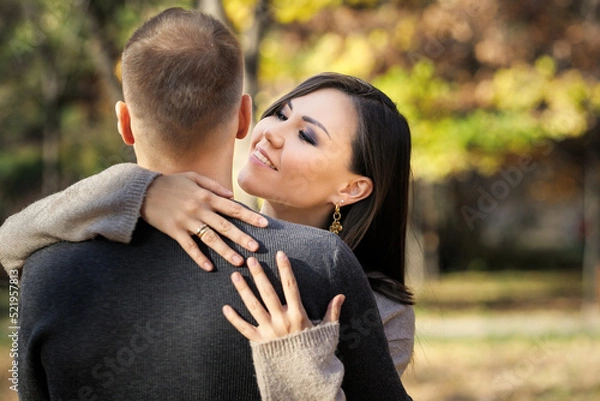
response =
{"points": [[182, 74]]}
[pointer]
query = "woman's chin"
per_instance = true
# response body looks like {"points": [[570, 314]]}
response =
{"points": [[246, 182]]}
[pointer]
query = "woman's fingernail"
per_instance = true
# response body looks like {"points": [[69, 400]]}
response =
{"points": [[253, 245], [238, 260], [252, 262], [208, 266], [236, 277], [263, 222]]}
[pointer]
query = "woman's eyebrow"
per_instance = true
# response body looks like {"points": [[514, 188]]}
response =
{"points": [[315, 122], [310, 120]]}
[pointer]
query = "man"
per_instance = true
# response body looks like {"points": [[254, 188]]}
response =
{"points": [[106, 321]]}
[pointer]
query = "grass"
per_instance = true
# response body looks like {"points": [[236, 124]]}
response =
{"points": [[509, 369], [502, 291], [502, 336]]}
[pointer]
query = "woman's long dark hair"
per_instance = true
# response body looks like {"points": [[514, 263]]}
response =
{"points": [[375, 227]]}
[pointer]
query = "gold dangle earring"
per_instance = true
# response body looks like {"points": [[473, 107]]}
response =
{"points": [[336, 227]]}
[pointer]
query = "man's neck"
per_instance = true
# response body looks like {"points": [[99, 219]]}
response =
{"points": [[214, 165]]}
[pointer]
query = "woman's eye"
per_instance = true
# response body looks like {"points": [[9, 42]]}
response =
{"points": [[280, 116], [306, 138]]}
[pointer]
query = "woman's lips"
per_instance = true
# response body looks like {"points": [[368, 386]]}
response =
{"points": [[263, 158]]}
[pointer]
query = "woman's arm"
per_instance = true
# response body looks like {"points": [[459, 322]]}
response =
{"points": [[399, 327], [109, 204], [300, 366], [293, 359]]}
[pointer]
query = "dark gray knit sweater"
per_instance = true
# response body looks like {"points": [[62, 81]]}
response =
{"points": [[106, 321]]}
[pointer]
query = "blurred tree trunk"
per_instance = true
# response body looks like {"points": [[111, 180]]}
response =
{"points": [[591, 202], [52, 88], [589, 9], [252, 40], [51, 134], [426, 229], [102, 52], [414, 259], [214, 8]]}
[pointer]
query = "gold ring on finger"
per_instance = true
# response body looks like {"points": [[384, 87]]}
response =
{"points": [[202, 230]]}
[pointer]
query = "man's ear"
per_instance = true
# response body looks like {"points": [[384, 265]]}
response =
{"points": [[358, 189], [245, 117], [124, 122]]}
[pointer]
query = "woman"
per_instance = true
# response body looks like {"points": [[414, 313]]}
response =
{"points": [[350, 175]]}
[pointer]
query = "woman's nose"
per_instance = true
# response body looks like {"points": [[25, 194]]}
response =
{"points": [[274, 137]]}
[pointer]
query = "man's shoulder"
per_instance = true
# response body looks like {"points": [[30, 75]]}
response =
{"points": [[83, 249], [76, 262], [294, 231], [57, 261], [61, 252], [312, 245]]}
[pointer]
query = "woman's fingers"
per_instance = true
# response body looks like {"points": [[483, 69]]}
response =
{"points": [[207, 209], [237, 211], [210, 216], [253, 305], [221, 226], [214, 241], [191, 248], [210, 184], [246, 329], [289, 284], [284, 320], [265, 288], [226, 206], [277, 320], [228, 229], [334, 309], [179, 204]]}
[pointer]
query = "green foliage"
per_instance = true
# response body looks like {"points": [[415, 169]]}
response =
{"points": [[288, 11], [19, 171], [50, 77], [471, 89], [241, 12], [524, 104]]}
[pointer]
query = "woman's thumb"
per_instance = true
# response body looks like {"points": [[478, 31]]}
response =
{"points": [[334, 309]]}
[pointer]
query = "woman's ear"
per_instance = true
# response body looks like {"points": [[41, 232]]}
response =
{"points": [[356, 190], [124, 122]]}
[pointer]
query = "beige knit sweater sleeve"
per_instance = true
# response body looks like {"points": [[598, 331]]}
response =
{"points": [[399, 327], [301, 366], [107, 203]]}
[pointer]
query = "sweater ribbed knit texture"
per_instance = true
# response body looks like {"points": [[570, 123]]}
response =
{"points": [[313, 371]]}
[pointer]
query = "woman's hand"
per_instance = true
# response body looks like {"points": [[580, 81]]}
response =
{"points": [[279, 320], [180, 204]]}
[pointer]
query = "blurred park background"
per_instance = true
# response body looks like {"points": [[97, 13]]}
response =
{"points": [[503, 99]]}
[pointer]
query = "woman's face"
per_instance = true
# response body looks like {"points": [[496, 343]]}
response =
{"points": [[300, 156]]}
